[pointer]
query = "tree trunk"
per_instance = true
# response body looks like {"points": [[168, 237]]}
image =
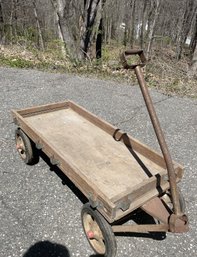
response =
{"points": [[149, 21], [194, 35], [59, 30], [11, 22], [99, 40], [89, 21], [193, 68], [152, 28], [15, 17], [40, 37], [2, 34], [126, 22], [143, 25], [67, 18], [185, 26], [1, 13], [132, 36], [109, 31]]}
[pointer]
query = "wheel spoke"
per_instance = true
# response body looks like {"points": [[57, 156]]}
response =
{"points": [[88, 218], [94, 226], [98, 238]]}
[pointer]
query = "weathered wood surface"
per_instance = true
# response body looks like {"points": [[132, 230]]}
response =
{"points": [[108, 166], [107, 163]]}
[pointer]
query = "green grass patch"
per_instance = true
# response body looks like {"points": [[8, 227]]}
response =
{"points": [[15, 62]]}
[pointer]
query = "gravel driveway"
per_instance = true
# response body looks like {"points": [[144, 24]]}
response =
{"points": [[38, 213]]}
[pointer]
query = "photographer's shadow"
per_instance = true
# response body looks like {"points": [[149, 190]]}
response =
{"points": [[47, 249]]}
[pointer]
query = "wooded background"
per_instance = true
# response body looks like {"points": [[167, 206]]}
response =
{"points": [[81, 27]]}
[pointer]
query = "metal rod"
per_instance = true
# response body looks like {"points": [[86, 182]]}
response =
{"points": [[140, 228], [161, 140]]}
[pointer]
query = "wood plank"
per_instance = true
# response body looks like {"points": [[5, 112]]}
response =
{"points": [[101, 159], [70, 171], [107, 169], [120, 135], [42, 109]]}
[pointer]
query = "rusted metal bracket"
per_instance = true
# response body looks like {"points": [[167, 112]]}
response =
{"points": [[124, 204], [178, 224], [16, 122], [93, 200], [39, 145], [156, 208], [54, 161], [140, 228]]}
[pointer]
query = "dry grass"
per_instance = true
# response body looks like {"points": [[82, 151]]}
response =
{"points": [[163, 71], [169, 75]]}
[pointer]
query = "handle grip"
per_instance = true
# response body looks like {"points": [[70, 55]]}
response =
{"points": [[126, 53]]}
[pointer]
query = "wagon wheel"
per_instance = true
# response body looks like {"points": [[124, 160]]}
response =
{"points": [[26, 148], [98, 232], [167, 198]]}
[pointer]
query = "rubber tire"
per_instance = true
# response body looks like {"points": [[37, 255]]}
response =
{"points": [[31, 152], [109, 237]]}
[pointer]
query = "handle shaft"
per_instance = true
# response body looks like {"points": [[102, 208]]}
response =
{"points": [[161, 140]]}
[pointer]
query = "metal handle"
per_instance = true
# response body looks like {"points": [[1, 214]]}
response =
{"points": [[161, 140], [133, 51], [155, 123], [126, 53]]}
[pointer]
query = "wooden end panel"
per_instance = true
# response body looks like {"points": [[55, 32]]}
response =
{"points": [[41, 109]]}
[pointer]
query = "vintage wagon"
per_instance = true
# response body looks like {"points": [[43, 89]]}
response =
{"points": [[116, 173]]}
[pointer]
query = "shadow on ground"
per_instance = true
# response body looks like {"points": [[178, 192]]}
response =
{"points": [[47, 249], [141, 218], [96, 255], [65, 180]]}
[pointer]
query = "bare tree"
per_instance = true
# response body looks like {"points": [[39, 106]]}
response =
{"points": [[41, 41], [59, 28], [76, 25], [193, 68], [185, 26], [143, 24], [152, 29], [99, 33], [132, 36], [82, 25], [88, 27], [1, 23], [193, 41]]}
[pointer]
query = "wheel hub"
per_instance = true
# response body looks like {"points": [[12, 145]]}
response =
{"points": [[20, 147], [90, 234]]}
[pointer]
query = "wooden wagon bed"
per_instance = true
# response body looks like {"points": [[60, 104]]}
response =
{"points": [[114, 171]]}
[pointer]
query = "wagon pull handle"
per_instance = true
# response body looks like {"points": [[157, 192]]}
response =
{"points": [[155, 122], [124, 60]]}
